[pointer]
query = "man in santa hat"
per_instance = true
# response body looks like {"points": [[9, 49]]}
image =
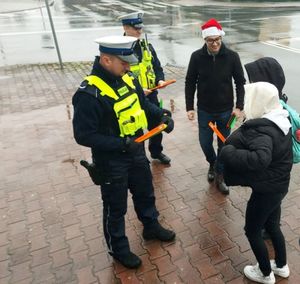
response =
{"points": [[211, 70]]}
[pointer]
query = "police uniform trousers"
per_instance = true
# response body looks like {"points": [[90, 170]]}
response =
{"points": [[155, 143], [122, 172]]}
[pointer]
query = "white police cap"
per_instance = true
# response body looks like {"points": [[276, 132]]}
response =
{"points": [[120, 46], [133, 19]]}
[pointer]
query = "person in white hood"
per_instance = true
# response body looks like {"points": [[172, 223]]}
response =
{"points": [[259, 155]]}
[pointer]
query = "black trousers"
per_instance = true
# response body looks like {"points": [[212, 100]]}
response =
{"points": [[155, 143], [126, 171], [264, 211]]}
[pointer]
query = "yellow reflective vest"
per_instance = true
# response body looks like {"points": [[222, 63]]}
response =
{"points": [[131, 117], [143, 70]]}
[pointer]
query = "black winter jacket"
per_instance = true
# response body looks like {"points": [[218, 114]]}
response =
{"points": [[95, 124], [212, 75], [259, 155]]}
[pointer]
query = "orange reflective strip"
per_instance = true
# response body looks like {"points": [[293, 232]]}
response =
{"points": [[216, 130], [154, 131]]}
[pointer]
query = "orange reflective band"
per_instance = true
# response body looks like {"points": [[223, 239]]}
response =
{"points": [[166, 83], [154, 131], [216, 130]]}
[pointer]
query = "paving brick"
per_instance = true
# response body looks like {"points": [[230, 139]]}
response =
{"points": [[172, 278], [100, 261], [175, 250], [40, 257], [19, 255], [235, 256], [73, 231], [60, 258], [215, 254], [42, 273], [150, 277], [205, 241], [187, 271], [57, 243], [4, 272], [227, 270], [85, 275], [186, 238], [195, 253], [64, 274], [106, 276], [164, 264], [154, 249], [195, 227], [214, 280], [225, 243], [206, 268], [20, 272], [77, 244]]}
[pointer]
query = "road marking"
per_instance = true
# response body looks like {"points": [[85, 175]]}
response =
{"points": [[155, 5], [167, 4], [281, 46]]}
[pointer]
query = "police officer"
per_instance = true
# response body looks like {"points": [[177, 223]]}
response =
{"points": [[149, 72], [110, 111]]}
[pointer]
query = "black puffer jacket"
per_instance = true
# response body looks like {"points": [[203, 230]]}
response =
{"points": [[259, 155]]}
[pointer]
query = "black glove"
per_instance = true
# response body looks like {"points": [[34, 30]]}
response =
{"points": [[94, 172], [167, 112], [130, 145], [169, 122]]}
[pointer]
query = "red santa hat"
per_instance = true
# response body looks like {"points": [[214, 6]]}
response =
{"points": [[212, 28]]}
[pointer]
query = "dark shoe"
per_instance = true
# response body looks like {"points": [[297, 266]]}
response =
{"points": [[221, 185], [158, 232], [129, 260], [164, 159], [211, 173]]}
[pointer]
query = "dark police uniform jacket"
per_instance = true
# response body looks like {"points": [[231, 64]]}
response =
{"points": [[95, 124]]}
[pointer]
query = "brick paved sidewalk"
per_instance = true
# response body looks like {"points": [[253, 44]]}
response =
{"points": [[51, 227]]}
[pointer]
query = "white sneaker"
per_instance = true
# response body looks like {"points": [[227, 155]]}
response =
{"points": [[253, 273], [282, 272]]}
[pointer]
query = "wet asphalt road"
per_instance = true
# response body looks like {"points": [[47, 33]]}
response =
{"points": [[173, 27]]}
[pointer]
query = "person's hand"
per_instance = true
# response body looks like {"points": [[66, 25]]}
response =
{"points": [[161, 82], [237, 112], [169, 122], [147, 92], [191, 114], [130, 145]]}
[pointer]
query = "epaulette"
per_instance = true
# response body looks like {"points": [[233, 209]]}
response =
{"points": [[89, 89]]}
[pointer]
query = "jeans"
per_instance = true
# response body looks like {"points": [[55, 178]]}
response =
{"points": [[264, 211], [206, 135]]}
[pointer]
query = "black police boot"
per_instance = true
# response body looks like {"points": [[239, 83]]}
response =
{"points": [[129, 260], [211, 173], [164, 159], [221, 185], [158, 232]]}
